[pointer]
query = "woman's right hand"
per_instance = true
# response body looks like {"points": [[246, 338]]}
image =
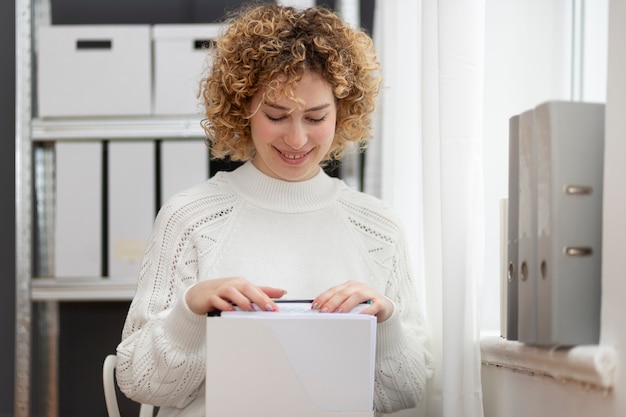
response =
{"points": [[221, 294]]}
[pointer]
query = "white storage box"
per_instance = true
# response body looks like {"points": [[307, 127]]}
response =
{"points": [[94, 70], [181, 60], [310, 364]]}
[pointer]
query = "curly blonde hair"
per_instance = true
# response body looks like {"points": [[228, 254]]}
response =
{"points": [[268, 48]]}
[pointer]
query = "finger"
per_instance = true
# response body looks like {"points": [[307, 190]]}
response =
{"points": [[364, 305], [381, 308], [324, 301], [235, 296], [218, 303], [262, 297], [273, 292], [348, 296], [339, 302]]}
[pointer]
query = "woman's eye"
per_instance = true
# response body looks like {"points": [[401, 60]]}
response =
{"points": [[314, 120], [275, 119]]}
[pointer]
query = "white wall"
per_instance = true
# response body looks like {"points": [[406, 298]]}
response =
{"points": [[511, 394], [613, 331]]}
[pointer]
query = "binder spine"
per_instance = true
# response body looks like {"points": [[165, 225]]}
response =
{"points": [[546, 218], [511, 281], [570, 161], [527, 226]]}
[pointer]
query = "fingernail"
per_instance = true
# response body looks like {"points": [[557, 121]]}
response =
{"points": [[339, 310], [269, 307], [315, 306], [324, 310]]}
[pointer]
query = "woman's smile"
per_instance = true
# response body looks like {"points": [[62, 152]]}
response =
{"points": [[291, 157]]}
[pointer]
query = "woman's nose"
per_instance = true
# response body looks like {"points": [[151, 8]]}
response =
{"points": [[296, 137]]}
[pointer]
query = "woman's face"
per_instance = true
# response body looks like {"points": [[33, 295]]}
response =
{"points": [[291, 139]]}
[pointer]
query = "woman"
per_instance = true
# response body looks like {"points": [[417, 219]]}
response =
{"points": [[287, 93]]}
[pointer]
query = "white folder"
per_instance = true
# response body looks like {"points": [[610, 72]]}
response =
{"points": [[183, 163], [570, 152], [527, 231], [132, 204], [290, 364], [78, 234]]}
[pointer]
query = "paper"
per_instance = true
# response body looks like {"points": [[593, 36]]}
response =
{"points": [[295, 306]]}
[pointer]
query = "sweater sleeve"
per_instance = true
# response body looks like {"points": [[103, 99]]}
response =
{"points": [[403, 361], [161, 358]]}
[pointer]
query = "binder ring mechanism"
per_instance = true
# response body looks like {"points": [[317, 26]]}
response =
{"points": [[523, 271], [577, 251], [510, 272], [577, 189]]}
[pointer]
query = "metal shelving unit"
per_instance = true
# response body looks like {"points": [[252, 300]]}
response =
{"points": [[23, 206], [44, 130], [37, 291]]}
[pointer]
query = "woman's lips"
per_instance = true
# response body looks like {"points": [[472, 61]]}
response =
{"points": [[292, 156]]}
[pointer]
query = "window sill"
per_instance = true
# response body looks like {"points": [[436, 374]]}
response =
{"points": [[593, 366]]}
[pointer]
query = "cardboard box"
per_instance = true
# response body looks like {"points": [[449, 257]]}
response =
{"points": [[94, 70], [181, 59]]}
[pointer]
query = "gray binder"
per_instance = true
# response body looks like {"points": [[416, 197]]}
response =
{"points": [[527, 231], [570, 139], [512, 239]]}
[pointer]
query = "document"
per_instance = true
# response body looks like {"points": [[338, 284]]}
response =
{"points": [[296, 362]]}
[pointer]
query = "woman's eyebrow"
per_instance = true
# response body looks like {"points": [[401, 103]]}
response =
{"points": [[284, 108]]}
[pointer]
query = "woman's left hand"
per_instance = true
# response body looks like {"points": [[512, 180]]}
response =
{"points": [[346, 296]]}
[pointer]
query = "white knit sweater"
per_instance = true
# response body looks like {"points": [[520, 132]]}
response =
{"points": [[303, 237]]}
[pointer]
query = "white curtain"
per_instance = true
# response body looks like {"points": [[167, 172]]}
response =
{"points": [[427, 162]]}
